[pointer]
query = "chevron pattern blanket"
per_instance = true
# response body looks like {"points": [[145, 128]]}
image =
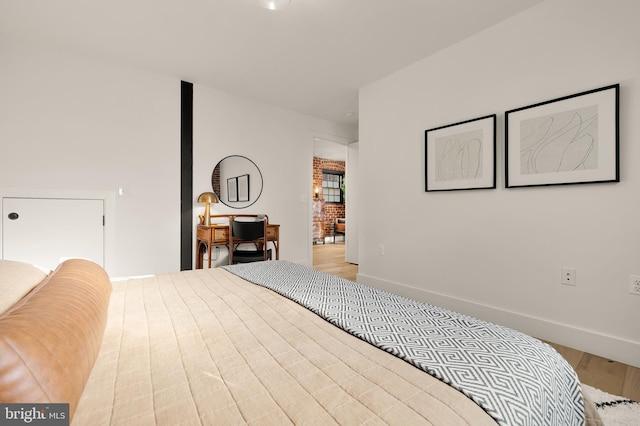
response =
{"points": [[516, 379]]}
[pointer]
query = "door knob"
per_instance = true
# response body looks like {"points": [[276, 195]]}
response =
{"points": [[13, 215]]}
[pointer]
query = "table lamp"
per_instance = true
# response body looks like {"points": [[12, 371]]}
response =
{"points": [[207, 198]]}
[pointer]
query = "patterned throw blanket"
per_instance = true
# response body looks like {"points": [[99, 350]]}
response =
{"points": [[516, 379]]}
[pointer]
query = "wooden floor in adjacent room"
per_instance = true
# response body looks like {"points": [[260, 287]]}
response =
{"points": [[609, 376], [330, 258]]}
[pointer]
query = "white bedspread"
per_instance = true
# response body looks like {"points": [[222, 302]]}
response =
{"points": [[207, 347]]}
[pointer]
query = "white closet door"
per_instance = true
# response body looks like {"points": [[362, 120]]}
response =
{"points": [[42, 231]]}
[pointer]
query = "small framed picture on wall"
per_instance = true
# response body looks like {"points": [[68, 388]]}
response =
{"points": [[573, 139], [461, 155], [232, 189]]}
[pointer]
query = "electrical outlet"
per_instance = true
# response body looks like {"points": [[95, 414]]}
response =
{"points": [[568, 276], [381, 249], [634, 284]]}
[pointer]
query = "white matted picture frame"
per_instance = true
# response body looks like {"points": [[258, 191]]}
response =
{"points": [[243, 187], [569, 140], [232, 189], [461, 155]]}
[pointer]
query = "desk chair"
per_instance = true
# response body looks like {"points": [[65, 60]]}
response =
{"points": [[339, 227], [253, 233]]}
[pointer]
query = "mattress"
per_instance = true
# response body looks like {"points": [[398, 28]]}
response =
{"points": [[207, 347]]}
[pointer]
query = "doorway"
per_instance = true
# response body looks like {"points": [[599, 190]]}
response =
{"points": [[329, 172], [333, 177]]}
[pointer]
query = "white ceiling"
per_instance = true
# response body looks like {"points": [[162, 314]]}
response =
{"points": [[329, 150], [311, 57]]}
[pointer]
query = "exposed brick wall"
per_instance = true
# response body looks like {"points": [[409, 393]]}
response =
{"points": [[215, 180], [331, 211]]}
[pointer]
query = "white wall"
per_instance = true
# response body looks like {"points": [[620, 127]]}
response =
{"points": [[280, 142], [72, 124], [76, 124], [497, 254]]}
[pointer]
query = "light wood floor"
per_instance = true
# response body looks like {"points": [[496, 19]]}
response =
{"points": [[610, 376]]}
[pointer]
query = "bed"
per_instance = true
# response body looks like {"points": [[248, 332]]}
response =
{"points": [[279, 343]]}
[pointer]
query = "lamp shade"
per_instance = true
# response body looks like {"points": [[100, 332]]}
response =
{"points": [[208, 197]]}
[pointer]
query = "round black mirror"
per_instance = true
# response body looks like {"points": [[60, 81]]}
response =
{"points": [[237, 181]]}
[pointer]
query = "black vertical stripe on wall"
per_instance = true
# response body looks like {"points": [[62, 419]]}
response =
{"points": [[186, 176]]}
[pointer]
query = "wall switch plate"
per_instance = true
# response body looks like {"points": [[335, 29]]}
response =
{"points": [[381, 249], [568, 276], [634, 284]]}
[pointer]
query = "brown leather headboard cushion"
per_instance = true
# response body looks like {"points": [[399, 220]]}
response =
{"points": [[50, 339]]}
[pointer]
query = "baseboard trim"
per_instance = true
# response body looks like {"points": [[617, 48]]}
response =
{"points": [[606, 346]]}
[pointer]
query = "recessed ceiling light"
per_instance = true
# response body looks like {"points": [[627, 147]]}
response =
{"points": [[274, 4]]}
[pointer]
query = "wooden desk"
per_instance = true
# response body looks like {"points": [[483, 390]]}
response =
{"points": [[208, 237]]}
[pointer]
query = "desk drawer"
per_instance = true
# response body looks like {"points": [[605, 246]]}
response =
{"points": [[221, 234], [272, 233], [217, 233]]}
